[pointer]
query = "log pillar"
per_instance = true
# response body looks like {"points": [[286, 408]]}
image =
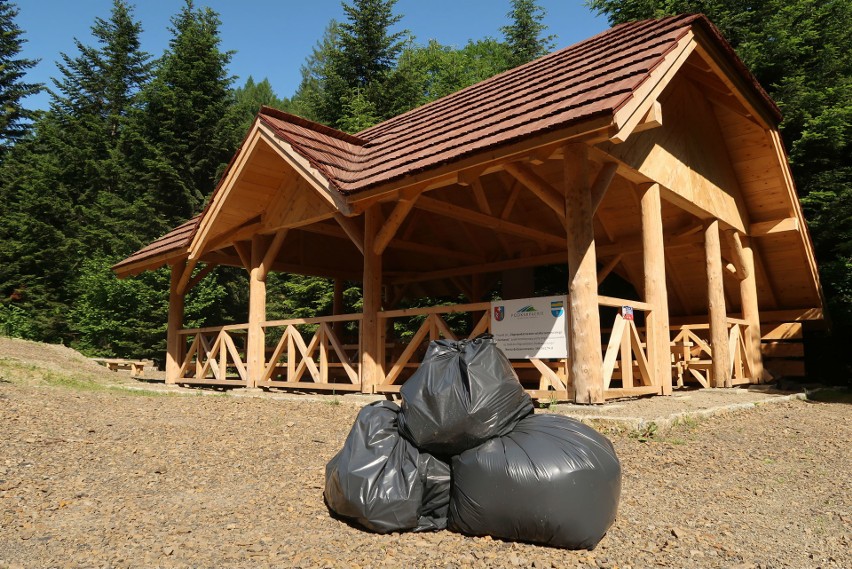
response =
{"points": [[256, 342], [584, 323], [656, 294], [748, 298], [716, 305], [174, 341], [371, 348], [337, 306]]}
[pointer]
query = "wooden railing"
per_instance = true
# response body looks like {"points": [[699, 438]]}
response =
{"points": [[321, 363], [692, 353], [626, 354], [215, 356], [432, 327]]}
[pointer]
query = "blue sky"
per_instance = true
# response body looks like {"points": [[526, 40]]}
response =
{"points": [[272, 38]]}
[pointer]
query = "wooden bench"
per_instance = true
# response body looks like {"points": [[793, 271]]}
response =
{"points": [[136, 368]]}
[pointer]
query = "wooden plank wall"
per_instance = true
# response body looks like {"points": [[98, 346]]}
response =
{"points": [[783, 349]]}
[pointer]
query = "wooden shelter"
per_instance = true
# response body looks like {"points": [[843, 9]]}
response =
{"points": [[646, 155]]}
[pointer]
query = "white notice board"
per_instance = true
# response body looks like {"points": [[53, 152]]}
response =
{"points": [[531, 327]]}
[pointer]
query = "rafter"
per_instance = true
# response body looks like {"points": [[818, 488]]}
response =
{"points": [[469, 216]]}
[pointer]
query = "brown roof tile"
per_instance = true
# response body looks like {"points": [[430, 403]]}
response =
{"points": [[593, 78], [173, 241]]}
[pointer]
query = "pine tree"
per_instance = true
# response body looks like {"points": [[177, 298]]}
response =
{"points": [[350, 69], [250, 97], [14, 118], [523, 35], [184, 133]]}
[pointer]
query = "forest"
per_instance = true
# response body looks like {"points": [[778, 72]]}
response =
{"points": [[132, 145]]}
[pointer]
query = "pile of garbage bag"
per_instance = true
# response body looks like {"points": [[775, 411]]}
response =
{"points": [[464, 451]]}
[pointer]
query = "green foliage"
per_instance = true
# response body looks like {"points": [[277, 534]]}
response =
{"points": [[523, 35], [346, 80], [127, 318], [183, 133], [249, 98], [14, 118]]}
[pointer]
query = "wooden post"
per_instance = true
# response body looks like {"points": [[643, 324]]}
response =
{"points": [[174, 341], [256, 343], [371, 366], [748, 299], [656, 294], [585, 327], [337, 306], [716, 305]]}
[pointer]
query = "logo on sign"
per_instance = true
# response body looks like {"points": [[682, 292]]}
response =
{"points": [[627, 312], [499, 313], [556, 308]]}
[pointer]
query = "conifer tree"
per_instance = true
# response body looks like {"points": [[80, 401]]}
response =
{"points": [[523, 35], [350, 69], [14, 117], [184, 133]]}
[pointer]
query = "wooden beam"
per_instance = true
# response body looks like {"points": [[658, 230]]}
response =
{"points": [[186, 274], [256, 342], [601, 184], [607, 269], [479, 196], [278, 266], [272, 253], [352, 230], [498, 266], [716, 305], [371, 350], [538, 185], [201, 274], [749, 302], [174, 341], [510, 201], [469, 216], [656, 293], [243, 231], [395, 219], [243, 249], [763, 228], [585, 328]]}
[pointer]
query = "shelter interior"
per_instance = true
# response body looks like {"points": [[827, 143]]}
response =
{"points": [[644, 165]]}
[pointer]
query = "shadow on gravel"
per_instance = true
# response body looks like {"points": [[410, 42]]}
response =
{"points": [[830, 395]]}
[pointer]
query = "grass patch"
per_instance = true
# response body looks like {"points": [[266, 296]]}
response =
{"points": [[16, 372]]}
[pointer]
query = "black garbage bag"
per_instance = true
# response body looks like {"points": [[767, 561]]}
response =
{"points": [[552, 480], [382, 481], [463, 394]]}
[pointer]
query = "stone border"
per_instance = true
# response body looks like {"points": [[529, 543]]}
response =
{"points": [[664, 423]]}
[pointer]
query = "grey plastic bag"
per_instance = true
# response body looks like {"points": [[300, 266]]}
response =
{"points": [[552, 480], [463, 394], [382, 481]]}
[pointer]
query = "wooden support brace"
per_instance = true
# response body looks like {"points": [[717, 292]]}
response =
{"points": [[395, 219], [198, 277], [607, 269], [539, 186], [601, 183], [352, 230], [272, 252]]}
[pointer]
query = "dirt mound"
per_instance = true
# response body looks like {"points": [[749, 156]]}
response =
{"points": [[24, 355]]}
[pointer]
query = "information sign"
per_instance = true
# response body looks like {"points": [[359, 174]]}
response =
{"points": [[529, 328]]}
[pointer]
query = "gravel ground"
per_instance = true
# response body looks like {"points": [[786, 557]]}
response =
{"points": [[93, 474]]}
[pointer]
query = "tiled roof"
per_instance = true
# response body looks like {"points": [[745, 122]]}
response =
{"points": [[173, 241], [594, 77]]}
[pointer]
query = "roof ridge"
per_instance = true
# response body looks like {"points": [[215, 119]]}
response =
{"points": [[315, 126]]}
